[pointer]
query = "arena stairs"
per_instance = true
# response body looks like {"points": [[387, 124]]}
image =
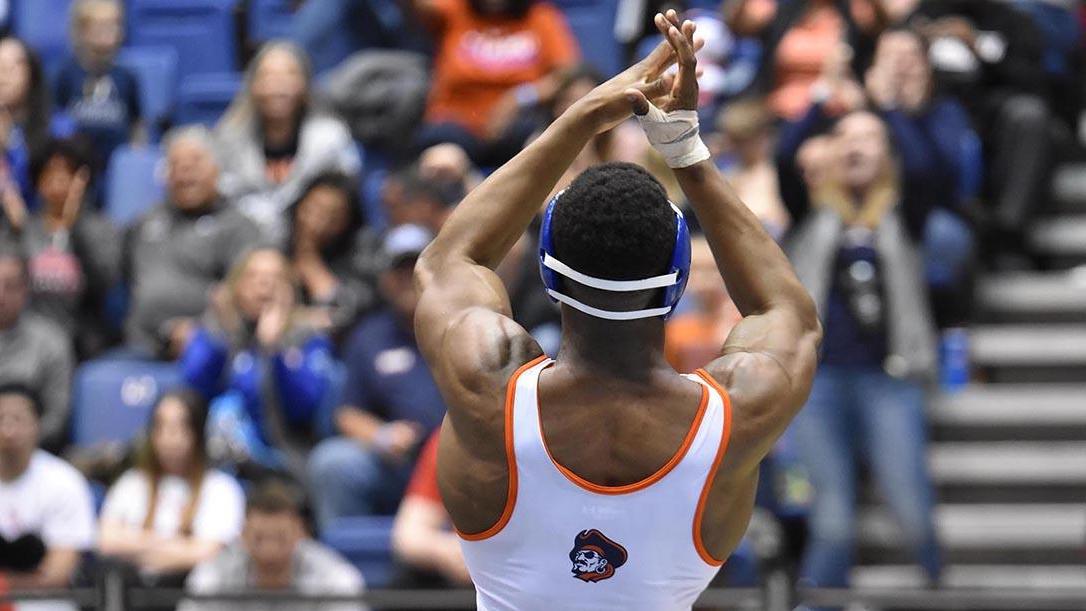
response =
{"points": [[1008, 452]]}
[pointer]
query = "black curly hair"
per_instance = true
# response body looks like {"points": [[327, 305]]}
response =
{"points": [[614, 222]]}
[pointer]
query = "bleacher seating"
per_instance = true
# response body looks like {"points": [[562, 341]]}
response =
{"points": [[156, 69], [43, 24], [112, 398], [202, 32], [132, 183], [204, 97], [367, 543], [593, 23], [269, 19]]}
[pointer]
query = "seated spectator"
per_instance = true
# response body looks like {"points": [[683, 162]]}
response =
{"points": [[48, 515], [624, 142], [275, 555], [34, 353], [748, 128], [273, 139], [73, 250], [390, 403], [331, 30], [172, 511], [331, 253], [696, 333], [855, 248], [262, 364], [798, 36], [990, 55], [26, 116], [410, 198], [491, 58], [180, 249], [101, 97], [422, 535]]}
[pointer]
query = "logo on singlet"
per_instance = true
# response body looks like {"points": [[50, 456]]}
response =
{"points": [[595, 557]]}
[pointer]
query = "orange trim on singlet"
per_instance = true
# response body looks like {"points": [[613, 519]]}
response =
{"points": [[725, 437], [648, 481], [510, 457]]}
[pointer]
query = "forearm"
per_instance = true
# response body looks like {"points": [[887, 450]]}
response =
{"points": [[489, 221], [121, 542], [183, 554], [758, 275], [358, 424]]}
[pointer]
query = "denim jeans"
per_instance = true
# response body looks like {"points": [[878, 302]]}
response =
{"points": [[349, 479], [863, 412]]}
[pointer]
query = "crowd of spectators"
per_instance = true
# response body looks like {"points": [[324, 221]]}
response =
{"points": [[892, 146]]}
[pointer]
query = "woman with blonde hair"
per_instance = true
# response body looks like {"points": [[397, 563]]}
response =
{"points": [[172, 511], [254, 354], [859, 209], [274, 139]]}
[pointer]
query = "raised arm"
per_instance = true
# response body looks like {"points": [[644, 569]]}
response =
{"points": [[463, 322], [768, 361]]}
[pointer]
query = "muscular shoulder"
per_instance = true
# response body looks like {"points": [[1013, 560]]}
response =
{"points": [[764, 398], [485, 348]]}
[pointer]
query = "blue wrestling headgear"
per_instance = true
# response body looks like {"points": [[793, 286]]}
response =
{"points": [[673, 282]]}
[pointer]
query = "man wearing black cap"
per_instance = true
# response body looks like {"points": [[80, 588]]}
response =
{"points": [[390, 403]]}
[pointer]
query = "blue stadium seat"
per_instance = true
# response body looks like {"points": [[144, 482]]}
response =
{"points": [[204, 97], [202, 32], [156, 69], [269, 19], [367, 543], [132, 183], [593, 23], [113, 397], [43, 24]]}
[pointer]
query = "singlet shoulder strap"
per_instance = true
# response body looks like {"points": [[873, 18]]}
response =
{"points": [[516, 386], [725, 436]]}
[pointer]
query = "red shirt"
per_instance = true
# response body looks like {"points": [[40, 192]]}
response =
{"points": [[423, 483]]}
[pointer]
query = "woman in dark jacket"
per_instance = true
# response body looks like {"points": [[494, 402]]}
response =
{"points": [[332, 253]]}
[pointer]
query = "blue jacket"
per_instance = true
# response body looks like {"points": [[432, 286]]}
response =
{"points": [[301, 375]]}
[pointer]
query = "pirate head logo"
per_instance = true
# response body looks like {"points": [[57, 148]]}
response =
{"points": [[595, 557]]}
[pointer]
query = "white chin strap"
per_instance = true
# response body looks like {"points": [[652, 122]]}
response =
{"points": [[621, 286]]}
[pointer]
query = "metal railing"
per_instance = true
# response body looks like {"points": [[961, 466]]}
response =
{"points": [[124, 598]]}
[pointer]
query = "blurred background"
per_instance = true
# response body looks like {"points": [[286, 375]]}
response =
{"points": [[211, 210]]}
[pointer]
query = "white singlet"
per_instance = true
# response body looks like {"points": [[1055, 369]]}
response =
{"points": [[565, 543]]}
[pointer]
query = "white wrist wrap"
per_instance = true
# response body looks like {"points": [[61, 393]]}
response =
{"points": [[675, 135]]}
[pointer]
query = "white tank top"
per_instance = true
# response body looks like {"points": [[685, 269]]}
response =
{"points": [[566, 543]]}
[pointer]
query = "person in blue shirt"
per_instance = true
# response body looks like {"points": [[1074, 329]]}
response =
{"points": [[101, 97], [26, 116], [266, 370], [390, 403]]}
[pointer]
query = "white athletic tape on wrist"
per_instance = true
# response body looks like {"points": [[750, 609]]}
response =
{"points": [[675, 135]]}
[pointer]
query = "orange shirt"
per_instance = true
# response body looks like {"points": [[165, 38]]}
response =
{"points": [[802, 52], [423, 482], [479, 58], [692, 340]]}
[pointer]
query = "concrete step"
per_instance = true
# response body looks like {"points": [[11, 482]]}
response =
{"points": [[1054, 296], [1009, 463], [1029, 345], [1011, 405], [1060, 236], [1058, 577], [999, 528]]}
